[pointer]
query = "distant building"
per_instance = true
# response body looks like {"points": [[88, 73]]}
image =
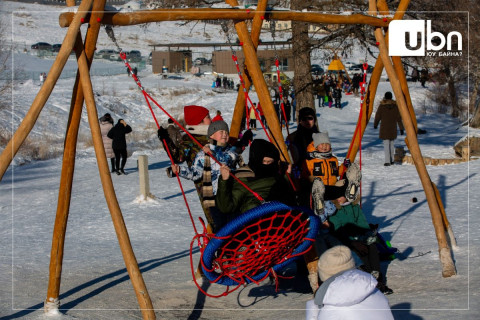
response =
{"points": [[171, 61], [222, 60]]}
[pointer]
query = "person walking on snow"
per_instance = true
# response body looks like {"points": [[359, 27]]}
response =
{"points": [[119, 144], [106, 124], [389, 117]]}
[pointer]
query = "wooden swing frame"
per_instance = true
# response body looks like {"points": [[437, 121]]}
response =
{"points": [[92, 12]]}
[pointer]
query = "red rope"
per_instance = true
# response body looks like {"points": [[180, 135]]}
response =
{"points": [[181, 187], [280, 92], [146, 95]]}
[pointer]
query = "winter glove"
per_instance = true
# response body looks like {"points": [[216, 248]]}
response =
{"points": [[360, 247], [163, 134], [170, 173], [401, 132], [346, 163]]}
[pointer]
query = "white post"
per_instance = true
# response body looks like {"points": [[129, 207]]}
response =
{"points": [[142, 164]]}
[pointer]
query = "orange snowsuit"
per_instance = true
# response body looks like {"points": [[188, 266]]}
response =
{"points": [[326, 169]]}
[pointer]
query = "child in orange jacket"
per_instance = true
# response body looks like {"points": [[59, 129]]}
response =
{"points": [[320, 162]]}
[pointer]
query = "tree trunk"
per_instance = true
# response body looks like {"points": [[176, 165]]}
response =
{"points": [[452, 92], [475, 122], [474, 105], [302, 80]]}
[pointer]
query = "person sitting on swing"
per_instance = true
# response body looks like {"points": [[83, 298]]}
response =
{"points": [[262, 175], [204, 168], [197, 119]]}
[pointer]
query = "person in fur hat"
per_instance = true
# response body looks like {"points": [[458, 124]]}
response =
{"points": [[346, 293], [389, 117]]}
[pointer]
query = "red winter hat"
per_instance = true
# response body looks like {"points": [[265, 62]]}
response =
{"points": [[194, 114]]}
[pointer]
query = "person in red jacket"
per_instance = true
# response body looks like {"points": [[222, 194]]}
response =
{"points": [[218, 117]]}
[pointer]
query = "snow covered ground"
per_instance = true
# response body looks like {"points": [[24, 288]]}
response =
{"points": [[95, 284]]}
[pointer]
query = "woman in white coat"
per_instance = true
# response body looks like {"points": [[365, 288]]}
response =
{"points": [[346, 293], [106, 123]]}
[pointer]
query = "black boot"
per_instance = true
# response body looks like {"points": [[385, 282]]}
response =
{"points": [[112, 162], [381, 283]]}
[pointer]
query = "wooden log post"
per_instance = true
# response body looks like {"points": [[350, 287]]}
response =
{"points": [[144, 181], [400, 72], [68, 164], [119, 224], [368, 102], [444, 250], [239, 109], [253, 66], [39, 102]]}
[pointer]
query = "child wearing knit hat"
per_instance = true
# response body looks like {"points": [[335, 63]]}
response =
{"points": [[320, 162], [322, 171], [204, 168]]}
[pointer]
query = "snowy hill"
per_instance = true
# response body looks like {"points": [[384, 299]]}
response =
{"points": [[95, 284]]}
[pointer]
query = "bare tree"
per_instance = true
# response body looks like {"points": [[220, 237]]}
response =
{"points": [[302, 80], [5, 68]]}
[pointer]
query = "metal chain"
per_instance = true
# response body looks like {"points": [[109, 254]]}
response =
{"points": [[225, 29]]}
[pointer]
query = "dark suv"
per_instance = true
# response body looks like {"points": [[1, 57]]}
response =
{"points": [[56, 47], [42, 46], [134, 56]]}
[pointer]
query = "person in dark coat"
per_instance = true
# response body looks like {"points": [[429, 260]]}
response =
{"points": [[337, 96], [349, 225], [119, 144], [262, 175], [106, 123], [302, 137], [389, 117], [288, 108]]}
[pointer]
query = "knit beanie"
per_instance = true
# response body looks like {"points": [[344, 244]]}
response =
{"points": [[217, 126], [305, 112], [194, 114], [335, 260], [388, 95], [321, 137]]}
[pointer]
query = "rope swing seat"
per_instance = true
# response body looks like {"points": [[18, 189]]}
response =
{"points": [[258, 243]]}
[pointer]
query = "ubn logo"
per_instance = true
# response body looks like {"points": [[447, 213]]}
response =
{"points": [[409, 38]]}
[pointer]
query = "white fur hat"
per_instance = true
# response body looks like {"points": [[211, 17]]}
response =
{"points": [[335, 260], [321, 137]]}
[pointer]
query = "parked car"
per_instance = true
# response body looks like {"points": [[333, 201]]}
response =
{"points": [[359, 68], [134, 56], [56, 47], [317, 70], [42, 46], [200, 61], [105, 53]]}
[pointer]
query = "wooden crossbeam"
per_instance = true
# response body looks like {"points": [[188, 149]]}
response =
{"points": [[158, 15]]}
